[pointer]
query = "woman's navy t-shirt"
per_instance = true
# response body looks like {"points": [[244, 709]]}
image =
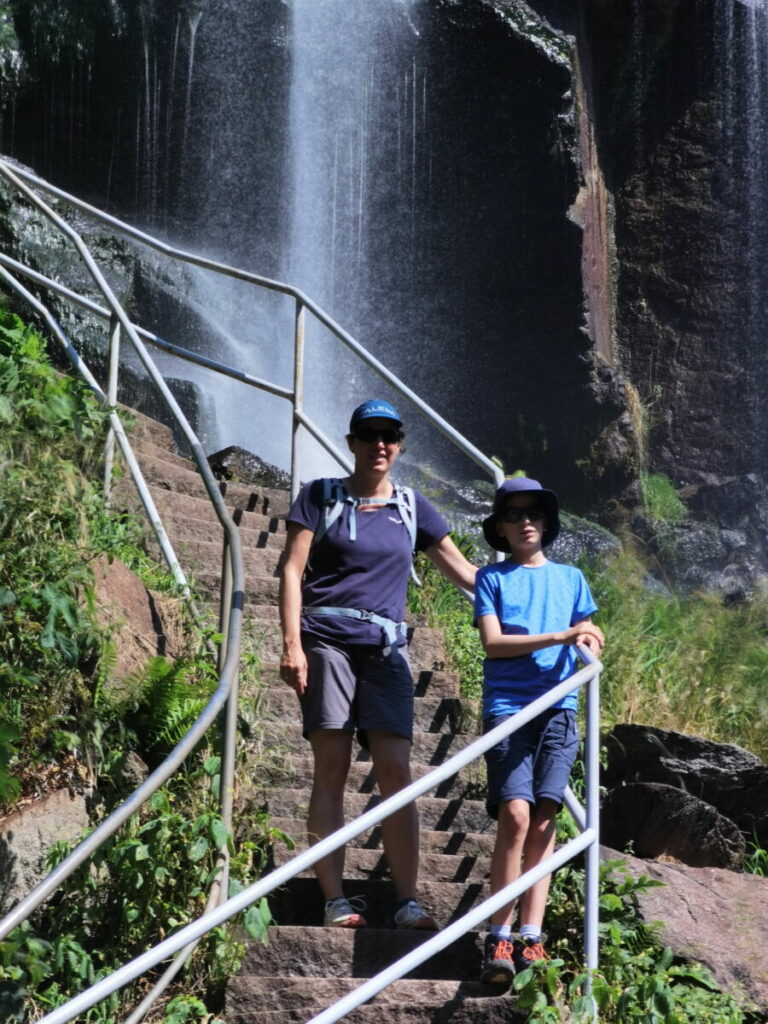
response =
{"points": [[370, 573]]}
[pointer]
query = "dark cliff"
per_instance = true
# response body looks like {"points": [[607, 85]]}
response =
{"points": [[586, 286]]}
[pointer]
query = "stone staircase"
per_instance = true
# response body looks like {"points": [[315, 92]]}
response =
{"points": [[305, 967]]}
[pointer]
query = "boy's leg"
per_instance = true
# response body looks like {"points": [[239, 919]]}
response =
{"points": [[506, 860], [539, 844]]}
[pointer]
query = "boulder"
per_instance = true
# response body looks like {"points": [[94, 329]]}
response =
{"points": [[731, 779], [661, 821], [716, 917], [26, 838], [149, 624], [244, 467]]}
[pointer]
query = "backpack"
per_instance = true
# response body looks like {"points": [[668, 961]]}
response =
{"points": [[335, 497]]}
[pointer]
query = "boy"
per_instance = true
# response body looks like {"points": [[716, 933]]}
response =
{"points": [[530, 612]]}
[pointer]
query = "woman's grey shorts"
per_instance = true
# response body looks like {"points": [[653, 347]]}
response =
{"points": [[357, 687], [533, 763]]}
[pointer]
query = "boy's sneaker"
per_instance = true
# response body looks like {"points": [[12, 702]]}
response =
{"points": [[345, 913], [413, 915], [498, 967], [525, 953]]}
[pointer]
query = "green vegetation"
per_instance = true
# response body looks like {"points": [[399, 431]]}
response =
{"points": [[661, 502], [691, 664], [55, 656], [445, 607]]}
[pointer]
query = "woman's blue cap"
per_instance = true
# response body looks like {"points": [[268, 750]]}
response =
{"points": [[374, 408]]}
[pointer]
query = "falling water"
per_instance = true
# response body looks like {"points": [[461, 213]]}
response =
{"points": [[742, 31]]}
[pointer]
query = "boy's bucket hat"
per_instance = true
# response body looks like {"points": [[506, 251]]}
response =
{"points": [[522, 485], [374, 408]]}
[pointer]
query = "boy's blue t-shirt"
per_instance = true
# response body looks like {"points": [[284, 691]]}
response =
{"points": [[370, 573], [528, 600]]}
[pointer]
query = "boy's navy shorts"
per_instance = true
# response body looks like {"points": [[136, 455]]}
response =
{"points": [[357, 687], [534, 762]]}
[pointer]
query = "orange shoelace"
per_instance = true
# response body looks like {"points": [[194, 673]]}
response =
{"points": [[534, 952], [502, 950]]}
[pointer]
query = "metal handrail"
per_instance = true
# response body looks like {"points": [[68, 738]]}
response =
{"points": [[226, 689], [303, 303], [587, 841], [185, 940]]}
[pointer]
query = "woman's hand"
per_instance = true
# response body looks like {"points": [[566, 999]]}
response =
{"points": [[293, 668], [293, 662]]}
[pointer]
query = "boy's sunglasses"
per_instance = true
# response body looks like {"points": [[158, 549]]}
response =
{"points": [[517, 515], [368, 435]]}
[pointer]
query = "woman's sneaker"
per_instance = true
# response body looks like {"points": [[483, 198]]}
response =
{"points": [[412, 915], [345, 913], [525, 953], [498, 968]]}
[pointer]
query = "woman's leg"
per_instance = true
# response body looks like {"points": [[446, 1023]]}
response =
{"points": [[391, 756], [332, 751]]}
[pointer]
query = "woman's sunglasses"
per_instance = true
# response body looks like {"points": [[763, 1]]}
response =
{"points": [[368, 435], [517, 515]]}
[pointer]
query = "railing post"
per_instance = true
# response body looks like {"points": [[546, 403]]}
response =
{"points": [[298, 393], [592, 810], [114, 363]]}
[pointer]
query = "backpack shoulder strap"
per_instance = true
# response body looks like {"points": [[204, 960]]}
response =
{"points": [[331, 505], [406, 506]]}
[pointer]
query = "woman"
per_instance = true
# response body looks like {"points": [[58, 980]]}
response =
{"points": [[347, 559]]}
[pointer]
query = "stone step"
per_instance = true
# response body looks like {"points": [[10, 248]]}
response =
{"points": [[431, 714], [258, 590], [267, 501], [371, 864], [296, 771], [499, 1009], [185, 506], [149, 448], [438, 813], [300, 902], [316, 952], [466, 844], [426, 683], [431, 748], [261, 993], [145, 429], [204, 557], [426, 1001]]}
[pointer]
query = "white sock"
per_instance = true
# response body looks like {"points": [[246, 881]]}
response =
{"points": [[501, 931], [530, 932]]}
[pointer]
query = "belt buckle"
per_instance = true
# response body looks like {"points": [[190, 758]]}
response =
{"points": [[366, 616]]}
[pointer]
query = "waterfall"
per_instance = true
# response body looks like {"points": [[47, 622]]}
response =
{"points": [[400, 161], [741, 33]]}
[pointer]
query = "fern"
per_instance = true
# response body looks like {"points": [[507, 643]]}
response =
{"points": [[171, 697]]}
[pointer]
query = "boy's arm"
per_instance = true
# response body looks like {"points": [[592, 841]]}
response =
{"points": [[500, 645]]}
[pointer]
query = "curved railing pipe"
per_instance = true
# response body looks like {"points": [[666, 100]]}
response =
{"points": [[237, 904]]}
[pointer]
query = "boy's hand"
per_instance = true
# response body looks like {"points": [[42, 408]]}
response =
{"points": [[589, 635]]}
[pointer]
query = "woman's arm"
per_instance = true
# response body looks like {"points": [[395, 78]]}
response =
{"points": [[452, 564], [293, 662], [499, 645]]}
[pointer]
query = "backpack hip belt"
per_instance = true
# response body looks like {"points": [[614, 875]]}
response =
{"points": [[391, 629]]}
